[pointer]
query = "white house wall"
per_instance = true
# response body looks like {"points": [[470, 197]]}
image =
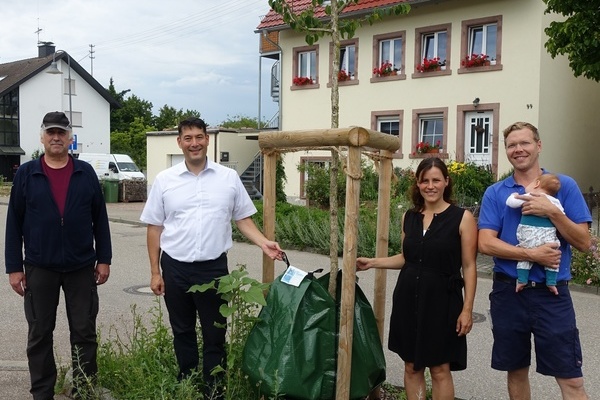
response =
{"points": [[162, 150], [44, 92], [528, 77], [241, 150], [570, 123]]}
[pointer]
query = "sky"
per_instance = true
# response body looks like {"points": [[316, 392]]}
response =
{"points": [[189, 54]]}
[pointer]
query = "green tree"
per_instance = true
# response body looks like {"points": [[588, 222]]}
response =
{"points": [[132, 107], [577, 36], [337, 27], [132, 141], [242, 121], [169, 117]]}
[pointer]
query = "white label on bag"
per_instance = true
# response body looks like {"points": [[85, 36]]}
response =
{"points": [[293, 276]]}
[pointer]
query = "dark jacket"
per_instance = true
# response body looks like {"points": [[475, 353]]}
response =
{"points": [[51, 241]]}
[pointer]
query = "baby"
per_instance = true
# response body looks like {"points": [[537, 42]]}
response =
{"points": [[535, 231]]}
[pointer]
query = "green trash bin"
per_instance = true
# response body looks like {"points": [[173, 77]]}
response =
{"points": [[111, 190]]}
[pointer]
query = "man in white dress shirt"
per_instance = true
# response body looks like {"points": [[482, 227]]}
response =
{"points": [[189, 212]]}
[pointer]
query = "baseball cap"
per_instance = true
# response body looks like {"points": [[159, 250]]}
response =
{"points": [[56, 119]]}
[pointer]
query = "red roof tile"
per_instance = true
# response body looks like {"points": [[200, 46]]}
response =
{"points": [[272, 20]]}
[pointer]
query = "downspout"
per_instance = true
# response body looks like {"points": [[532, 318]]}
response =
{"points": [[264, 32]]}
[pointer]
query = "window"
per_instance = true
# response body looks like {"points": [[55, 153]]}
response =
{"points": [[389, 125], [389, 122], [77, 119], [433, 42], [389, 48], [434, 46], [482, 40], [66, 86], [307, 64], [305, 67], [481, 36], [431, 129], [9, 118], [430, 125], [348, 62]]}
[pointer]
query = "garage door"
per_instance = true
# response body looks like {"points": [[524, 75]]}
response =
{"points": [[176, 159]]}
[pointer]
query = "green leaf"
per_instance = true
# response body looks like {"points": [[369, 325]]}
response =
{"points": [[254, 295], [227, 310], [201, 288]]}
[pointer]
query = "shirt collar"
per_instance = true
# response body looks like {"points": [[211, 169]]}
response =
{"points": [[510, 181], [181, 168]]}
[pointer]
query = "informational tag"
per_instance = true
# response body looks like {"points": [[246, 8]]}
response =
{"points": [[293, 276]]}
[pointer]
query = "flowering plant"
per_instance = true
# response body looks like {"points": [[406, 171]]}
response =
{"points": [[302, 80], [385, 69], [426, 147], [585, 266], [475, 60], [343, 76], [429, 64]]}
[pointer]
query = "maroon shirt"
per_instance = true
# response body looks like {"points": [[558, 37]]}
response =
{"points": [[59, 182]]}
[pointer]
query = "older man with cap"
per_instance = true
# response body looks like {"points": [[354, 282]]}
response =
{"points": [[57, 214]]}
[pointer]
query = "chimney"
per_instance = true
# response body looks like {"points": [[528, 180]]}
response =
{"points": [[46, 49]]}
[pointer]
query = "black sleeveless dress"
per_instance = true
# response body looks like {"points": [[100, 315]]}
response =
{"points": [[428, 298]]}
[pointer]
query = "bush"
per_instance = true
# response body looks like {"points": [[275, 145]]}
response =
{"points": [[469, 182], [402, 181], [139, 362], [317, 185], [307, 228], [585, 266]]}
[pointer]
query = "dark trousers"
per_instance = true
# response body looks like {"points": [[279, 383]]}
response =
{"points": [[41, 301], [183, 308]]}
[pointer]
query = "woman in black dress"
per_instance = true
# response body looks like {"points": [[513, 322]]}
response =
{"points": [[430, 319]]}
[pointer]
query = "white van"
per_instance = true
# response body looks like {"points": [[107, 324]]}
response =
{"points": [[117, 166]]}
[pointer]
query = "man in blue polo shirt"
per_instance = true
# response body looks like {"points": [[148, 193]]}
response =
{"points": [[534, 310]]}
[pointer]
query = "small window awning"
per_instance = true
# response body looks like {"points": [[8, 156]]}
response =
{"points": [[11, 151]]}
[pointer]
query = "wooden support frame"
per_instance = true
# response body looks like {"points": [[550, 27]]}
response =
{"points": [[354, 138]]}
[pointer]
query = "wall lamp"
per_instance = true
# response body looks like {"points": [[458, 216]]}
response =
{"points": [[476, 102]]}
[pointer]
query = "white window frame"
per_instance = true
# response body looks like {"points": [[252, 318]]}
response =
{"points": [[484, 29], [348, 59], [436, 46], [394, 52], [382, 119], [307, 60], [437, 134]]}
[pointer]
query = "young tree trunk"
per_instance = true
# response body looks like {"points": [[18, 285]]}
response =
{"points": [[333, 186]]}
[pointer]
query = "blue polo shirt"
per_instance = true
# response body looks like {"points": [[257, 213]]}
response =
{"points": [[497, 216]]}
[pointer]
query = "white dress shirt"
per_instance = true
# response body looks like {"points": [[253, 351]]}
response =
{"points": [[196, 211]]}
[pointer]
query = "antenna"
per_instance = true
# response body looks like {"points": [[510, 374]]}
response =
{"points": [[38, 31], [92, 51]]}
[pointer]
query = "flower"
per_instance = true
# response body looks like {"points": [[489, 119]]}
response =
{"points": [[343, 76], [386, 69], [426, 147], [585, 265], [302, 80], [430, 64], [475, 60]]}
